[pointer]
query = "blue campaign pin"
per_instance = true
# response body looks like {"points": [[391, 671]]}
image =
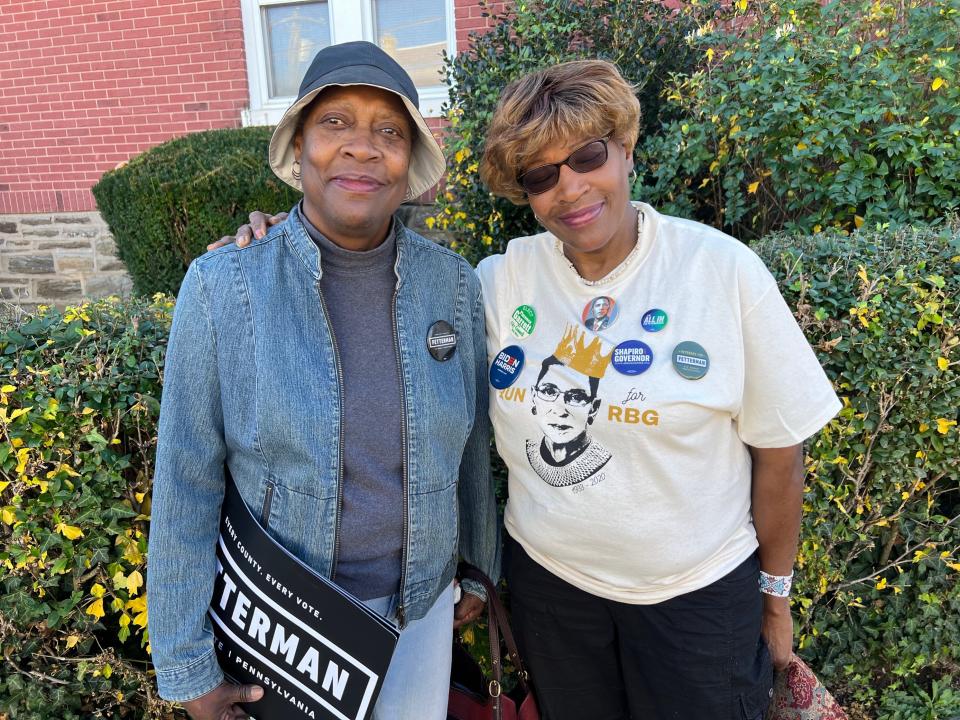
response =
{"points": [[690, 360], [632, 357], [506, 367], [654, 320]]}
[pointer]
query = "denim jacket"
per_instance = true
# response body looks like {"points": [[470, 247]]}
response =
{"points": [[252, 379]]}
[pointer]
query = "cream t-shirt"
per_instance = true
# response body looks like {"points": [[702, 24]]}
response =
{"points": [[623, 409]]}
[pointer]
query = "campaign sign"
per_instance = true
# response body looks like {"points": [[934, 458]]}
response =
{"points": [[315, 650]]}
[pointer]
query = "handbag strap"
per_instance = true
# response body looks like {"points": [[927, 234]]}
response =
{"points": [[499, 625]]}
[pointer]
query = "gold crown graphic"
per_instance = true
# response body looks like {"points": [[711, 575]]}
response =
{"points": [[586, 359]]}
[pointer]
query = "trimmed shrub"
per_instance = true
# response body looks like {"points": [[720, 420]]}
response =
{"points": [[78, 409], [165, 205], [643, 37], [877, 602], [805, 115], [877, 594]]}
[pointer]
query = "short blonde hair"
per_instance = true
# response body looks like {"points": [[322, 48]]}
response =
{"points": [[578, 99]]}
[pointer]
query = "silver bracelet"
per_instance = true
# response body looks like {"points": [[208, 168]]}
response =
{"points": [[776, 585]]}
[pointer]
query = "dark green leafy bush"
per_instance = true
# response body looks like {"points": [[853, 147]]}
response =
{"points": [[804, 115], [79, 400], [643, 37], [878, 598], [165, 205]]}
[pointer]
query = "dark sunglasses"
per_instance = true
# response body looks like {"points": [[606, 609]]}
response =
{"points": [[582, 160]]}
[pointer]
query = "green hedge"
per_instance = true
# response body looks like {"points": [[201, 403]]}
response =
{"points": [[79, 401], [804, 115], [877, 599], [165, 205]]}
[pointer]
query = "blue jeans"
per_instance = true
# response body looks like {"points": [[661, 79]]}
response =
{"points": [[418, 680]]}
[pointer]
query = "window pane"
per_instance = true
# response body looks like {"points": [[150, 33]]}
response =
{"points": [[414, 33], [294, 33]]}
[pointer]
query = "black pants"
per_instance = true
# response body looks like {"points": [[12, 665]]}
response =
{"points": [[699, 656]]}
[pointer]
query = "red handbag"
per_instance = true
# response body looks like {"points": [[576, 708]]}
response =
{"points": [[799, 695], [475, 697]]}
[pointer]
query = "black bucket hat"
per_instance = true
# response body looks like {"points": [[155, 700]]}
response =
{"points": [[359, 63]]}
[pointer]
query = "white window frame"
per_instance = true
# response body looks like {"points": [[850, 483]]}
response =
{"points": [[349, 20]]}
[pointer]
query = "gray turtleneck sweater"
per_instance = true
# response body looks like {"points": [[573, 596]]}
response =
{"points": [[358, 289]]}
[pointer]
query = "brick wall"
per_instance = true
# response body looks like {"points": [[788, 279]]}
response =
{"points": [[87, 85], [469, 16]]}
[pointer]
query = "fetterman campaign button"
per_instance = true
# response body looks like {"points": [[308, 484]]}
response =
{"points": [[691, 360], [506, 367], [441, 340], [632, 357], [523, 321], [654, 320]]}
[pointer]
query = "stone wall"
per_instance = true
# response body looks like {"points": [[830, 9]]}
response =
{"points": [[58, 259]]}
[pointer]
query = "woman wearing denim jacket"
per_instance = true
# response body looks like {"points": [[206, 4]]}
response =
{"points": [[362, 446]]}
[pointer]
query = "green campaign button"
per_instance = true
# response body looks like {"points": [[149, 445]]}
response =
{"points": [[523, 321], [691, 360], [654, 320]]}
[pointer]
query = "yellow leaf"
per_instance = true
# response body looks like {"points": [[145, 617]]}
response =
{"points": [[706, 181], [937, 84], [70, 532], [97, 590], [124, 620], [23, 457], [801, 145], [752, 187], [134, 582], [137, 605], [954, 566], [141, 619], [7, 389], [3, 485], [742, 5], [858, 221], [139, 496], [107, 671], [96, 609], [943, 363], [924, 427], [87, 411], [944, 425], [72, 640], [881, 584], [709, 58], [7, 516]]}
